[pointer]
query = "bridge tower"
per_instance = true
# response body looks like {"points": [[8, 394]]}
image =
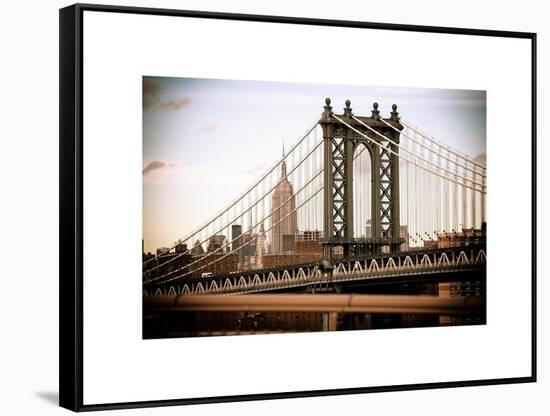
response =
{"points": [[340, 142]]}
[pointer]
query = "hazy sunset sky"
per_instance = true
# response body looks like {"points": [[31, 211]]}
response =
{"points": [[205, 141]]}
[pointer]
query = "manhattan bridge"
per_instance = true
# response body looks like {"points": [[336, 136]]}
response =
{"points": [[382, 200]]}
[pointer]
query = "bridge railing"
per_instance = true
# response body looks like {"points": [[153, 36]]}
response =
{"points": [[345, 270]]}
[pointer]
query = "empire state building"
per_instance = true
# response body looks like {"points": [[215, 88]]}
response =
{"points": [[283, 203]]}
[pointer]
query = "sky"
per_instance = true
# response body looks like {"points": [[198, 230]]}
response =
{"points": [[205, 141]]}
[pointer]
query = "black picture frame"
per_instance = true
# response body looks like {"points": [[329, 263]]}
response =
{"points": [[71, 205]]}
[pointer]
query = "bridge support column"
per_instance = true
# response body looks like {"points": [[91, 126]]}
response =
{"points": [[341, 135], [396, 222], [348, 149], [328, 182], [376, 230]]}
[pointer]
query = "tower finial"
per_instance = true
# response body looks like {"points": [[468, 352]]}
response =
{"points": [[394, 114], [375, 111], [327, 113], [283, 164], [347, 109]]}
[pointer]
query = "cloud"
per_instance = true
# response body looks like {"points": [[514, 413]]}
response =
{"points": [[199, 176], [155, 164], [160, 172], [175, 104], [151, 93]]}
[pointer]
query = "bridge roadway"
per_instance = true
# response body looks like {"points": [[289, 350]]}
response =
{"points": [[443, 264]]}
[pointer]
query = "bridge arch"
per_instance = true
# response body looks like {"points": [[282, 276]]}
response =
{"points": [[362, 190]]}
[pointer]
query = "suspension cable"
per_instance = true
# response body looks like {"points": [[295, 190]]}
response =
{"points": [[442, 144], [239, 236], [431, 149], [241, 246], [240, 214], [416, 155], [403, 157], [243, 195]]}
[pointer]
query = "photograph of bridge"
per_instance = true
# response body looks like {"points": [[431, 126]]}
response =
{"points": [[275, 207]]}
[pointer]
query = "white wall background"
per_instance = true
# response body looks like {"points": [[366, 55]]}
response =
{"points": [[28, 208]]}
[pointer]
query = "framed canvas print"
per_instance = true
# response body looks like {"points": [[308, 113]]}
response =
{"points": [[257, 207]]}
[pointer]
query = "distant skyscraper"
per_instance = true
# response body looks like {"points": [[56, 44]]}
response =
{"points": [[283, 203], [260, 246], [249, 245], [404, 234], [162, 250], [368, 229], [236, 238], [237, 241], [197, 248], [216, 242]]}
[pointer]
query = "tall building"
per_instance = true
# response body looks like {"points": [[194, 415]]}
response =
{"points": [[249, 245], [236, 238], [309, 235], [260, 246], [216, 242], [237, 241], [162, 250], [283, 202], [180, 246], [197, 248], [404, 234], [368, 229]]}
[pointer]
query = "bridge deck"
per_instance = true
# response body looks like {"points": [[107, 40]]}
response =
{"points": [[405, 265]]}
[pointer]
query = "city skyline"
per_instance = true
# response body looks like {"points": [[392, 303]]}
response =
{"points": [[191, 126]]}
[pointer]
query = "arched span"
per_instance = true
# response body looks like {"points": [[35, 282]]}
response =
{"points": [[362, 191]]}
